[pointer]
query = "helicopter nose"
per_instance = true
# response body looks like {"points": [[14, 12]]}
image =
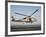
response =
{"points": [[34, 20]]}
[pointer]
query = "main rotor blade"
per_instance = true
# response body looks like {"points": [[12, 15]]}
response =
{"points": [[20, 14], [35, 12], [32, 14]]}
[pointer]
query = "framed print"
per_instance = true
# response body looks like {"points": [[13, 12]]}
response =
{"points": [[25, 18]]}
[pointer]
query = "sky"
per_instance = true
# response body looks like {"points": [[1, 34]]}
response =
{"points": [[27, 10]]}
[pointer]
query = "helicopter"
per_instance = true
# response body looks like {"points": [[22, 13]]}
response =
{"points": [[27, 19]]}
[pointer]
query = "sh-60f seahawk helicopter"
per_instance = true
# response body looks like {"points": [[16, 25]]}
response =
{"points": [[27, 19]]}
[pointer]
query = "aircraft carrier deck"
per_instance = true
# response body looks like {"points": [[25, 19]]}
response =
{"points": [[25, 27]]}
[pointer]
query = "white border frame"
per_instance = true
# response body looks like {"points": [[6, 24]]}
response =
{"points": [[24, 32]]}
